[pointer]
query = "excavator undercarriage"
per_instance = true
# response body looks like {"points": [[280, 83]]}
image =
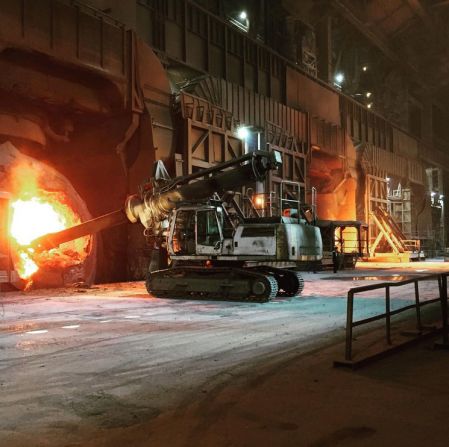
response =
{"points": [[260, 284]]}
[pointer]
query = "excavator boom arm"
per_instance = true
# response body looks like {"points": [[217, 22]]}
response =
{"points": [[154, 206]]}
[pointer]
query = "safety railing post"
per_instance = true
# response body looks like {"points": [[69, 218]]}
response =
{"points": [[443, 295], [418, 307], [349, 317], [424, 331], [387, 315]]}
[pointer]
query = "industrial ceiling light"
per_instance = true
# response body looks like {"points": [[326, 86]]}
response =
{"points": [[240, 20], [368, 94], [370, 105], [242, 132], [365, 68], [339, 78]]}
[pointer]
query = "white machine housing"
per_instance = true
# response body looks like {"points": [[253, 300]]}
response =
{"points": [[200, 233]]}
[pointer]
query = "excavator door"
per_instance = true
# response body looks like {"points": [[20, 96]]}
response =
{"points": [[196, 232], [209, 232]]}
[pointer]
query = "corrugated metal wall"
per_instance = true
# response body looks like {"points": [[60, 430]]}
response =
{"points": [[67, 32], [257, 80], [255, 109], [393, 164]]}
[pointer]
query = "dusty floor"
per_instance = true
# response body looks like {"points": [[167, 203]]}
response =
{"points": [[111, 366]]}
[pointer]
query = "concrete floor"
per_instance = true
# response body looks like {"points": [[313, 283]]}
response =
{"points": [[112, 366]]}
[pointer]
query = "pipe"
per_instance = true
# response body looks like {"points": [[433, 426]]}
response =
{"points": [[52, 240], [155, 206]]}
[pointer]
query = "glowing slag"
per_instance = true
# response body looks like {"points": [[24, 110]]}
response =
{"points": [[34, 217]]}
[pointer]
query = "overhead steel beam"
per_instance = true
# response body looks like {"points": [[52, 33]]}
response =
{"points": [[421, 11], [441, 3], [376, 39], [373, 37]]}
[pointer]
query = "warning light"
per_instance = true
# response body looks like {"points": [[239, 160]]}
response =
{"points": [[259, 201]]}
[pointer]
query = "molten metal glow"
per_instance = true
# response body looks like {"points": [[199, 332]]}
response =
{"points": [[35, 213], [34, 218], [26, 266]]}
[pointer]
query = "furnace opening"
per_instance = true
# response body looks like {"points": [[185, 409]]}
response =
{"points": [[43, 201]]}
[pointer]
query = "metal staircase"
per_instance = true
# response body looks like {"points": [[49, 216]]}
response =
{"points": [[390, 234]]}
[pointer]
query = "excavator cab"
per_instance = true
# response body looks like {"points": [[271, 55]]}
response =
{"points": [[196, 231], [209, 233]]}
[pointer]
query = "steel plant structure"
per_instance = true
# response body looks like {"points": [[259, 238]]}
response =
{"points": [[353, 94]]}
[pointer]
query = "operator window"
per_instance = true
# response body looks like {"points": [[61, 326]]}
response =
{"points": [[208, 230], [184, 233]]}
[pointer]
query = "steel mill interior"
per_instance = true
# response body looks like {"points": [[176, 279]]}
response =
{"points": [[224, 223]]}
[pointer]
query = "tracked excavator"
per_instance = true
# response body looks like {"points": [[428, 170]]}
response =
{"points": [[204, 246]]}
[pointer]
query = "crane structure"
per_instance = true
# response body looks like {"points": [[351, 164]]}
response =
{"points": [[203, 245]]}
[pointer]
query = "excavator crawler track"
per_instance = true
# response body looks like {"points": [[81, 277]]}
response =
{"points": [[215, 283], [290, 283], [298, 286]]}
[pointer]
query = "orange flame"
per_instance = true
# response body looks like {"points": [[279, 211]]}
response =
{"points": [[47, 220], [34, 214]]}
